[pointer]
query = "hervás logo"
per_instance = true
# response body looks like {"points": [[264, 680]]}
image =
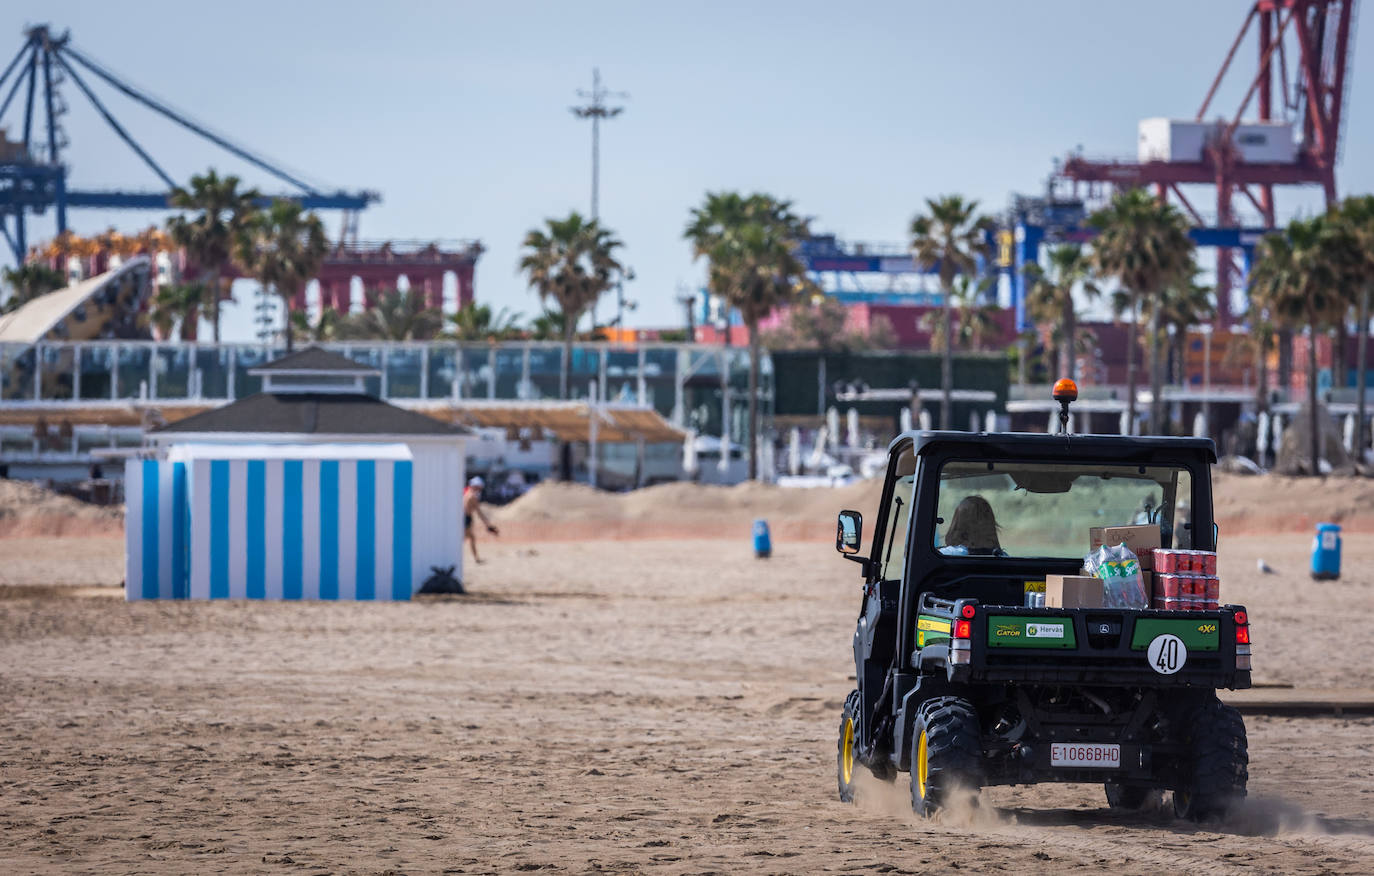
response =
{"points": [[1045, 631], [1206, 628], [1007, 631]]}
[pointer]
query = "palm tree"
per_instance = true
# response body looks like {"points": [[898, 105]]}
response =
{"points": [[208, 238], [325, 328], [1143, 243], [177, 307], [547, 325], [29, 281], [394, 316], [949, 240], [977, 315], [571, 261], [1051, 302], [283, 248], [477, 322], [1185, 304], [1299, 278], [974, 321], [750, 244], [1356, 215]]}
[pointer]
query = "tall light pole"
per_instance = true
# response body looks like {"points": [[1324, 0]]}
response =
{"points": [[596, 110]]}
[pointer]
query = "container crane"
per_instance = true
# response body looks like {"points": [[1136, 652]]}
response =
{"points": [[1313, 36], [33, 176]]}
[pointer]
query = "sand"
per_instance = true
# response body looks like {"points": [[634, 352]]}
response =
{"points": [[27, 509], [648, 705]]}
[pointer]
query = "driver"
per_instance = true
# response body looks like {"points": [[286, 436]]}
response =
{"points": [[973, 528]]}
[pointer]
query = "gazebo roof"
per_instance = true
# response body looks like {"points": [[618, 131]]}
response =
{"points": [[312, 413], [314, 361]]}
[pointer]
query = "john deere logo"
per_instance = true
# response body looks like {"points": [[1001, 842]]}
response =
{"points": [[1005, 631]]}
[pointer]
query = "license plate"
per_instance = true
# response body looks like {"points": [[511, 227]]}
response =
{"points": [[1075, 754]]}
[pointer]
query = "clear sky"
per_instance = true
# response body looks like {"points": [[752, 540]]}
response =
{"points": [[458, 112]]}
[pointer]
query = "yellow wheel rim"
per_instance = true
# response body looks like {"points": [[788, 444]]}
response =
{"points": [[922, 765], [847, 751]]}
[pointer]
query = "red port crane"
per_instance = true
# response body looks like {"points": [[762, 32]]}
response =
{"points": [[1303, 51]]}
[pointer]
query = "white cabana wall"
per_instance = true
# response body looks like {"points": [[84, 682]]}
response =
{"points": [[440, 473]]}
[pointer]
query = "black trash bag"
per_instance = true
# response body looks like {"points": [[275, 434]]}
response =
{"points": [[442, 581]]}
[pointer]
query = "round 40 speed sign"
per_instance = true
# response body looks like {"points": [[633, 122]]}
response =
{"points": [[1167, 654]]}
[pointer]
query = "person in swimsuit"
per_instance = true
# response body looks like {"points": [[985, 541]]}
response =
{"points": [[472, 504]]}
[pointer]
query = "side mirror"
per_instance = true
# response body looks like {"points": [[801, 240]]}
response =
{"points": [[849, 532]]}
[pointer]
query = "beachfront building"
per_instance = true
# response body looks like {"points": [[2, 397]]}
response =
{"points": [[318, 399], [64, 405]]}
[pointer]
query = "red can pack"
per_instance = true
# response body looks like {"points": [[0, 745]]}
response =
{"points": [[1212, 588], [1166, 561], [1169, 560], [1169, 583]]}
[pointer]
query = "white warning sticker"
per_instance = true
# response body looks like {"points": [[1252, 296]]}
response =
{"points": [[1167, 654]]}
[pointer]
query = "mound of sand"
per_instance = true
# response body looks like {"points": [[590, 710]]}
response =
{"points": [[1243, 504], [1277, 503], [29, 510], [559, 510], [665, 502]]}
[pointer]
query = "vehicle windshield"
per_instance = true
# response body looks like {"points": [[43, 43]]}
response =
{"points": [[1034, 509]]}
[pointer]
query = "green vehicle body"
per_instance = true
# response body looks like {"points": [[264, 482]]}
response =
{"points": [[1025, 681]]}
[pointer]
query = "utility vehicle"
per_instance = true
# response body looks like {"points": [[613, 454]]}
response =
{"points": [[963, 685]]}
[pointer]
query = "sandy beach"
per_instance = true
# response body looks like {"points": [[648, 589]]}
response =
{"points": [[642, 704]]}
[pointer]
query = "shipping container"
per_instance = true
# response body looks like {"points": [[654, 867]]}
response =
{"points": [[1182, 140]]}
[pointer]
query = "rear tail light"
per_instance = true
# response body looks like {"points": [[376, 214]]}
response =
{"points": [[968, 610], [1242, 622], [963, 629]]}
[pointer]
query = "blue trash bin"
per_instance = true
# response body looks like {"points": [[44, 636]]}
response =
{"points": [[1326, 552], [763, 545]]}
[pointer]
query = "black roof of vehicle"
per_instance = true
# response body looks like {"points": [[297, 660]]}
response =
{"points": [[1013, 444]]}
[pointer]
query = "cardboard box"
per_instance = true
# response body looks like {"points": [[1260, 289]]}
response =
{"points": [[1073, 591], [1142, 540]]}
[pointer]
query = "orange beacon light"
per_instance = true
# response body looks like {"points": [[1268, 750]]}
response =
{"points": [[1065, 392]]}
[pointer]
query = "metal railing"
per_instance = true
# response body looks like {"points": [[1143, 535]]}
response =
{"points": [[673, 379]]}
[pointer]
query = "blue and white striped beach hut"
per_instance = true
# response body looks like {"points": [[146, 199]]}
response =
{"points": [[272, 521], [304, 450]]}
